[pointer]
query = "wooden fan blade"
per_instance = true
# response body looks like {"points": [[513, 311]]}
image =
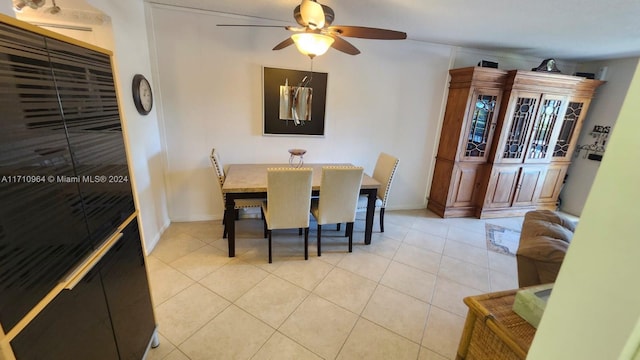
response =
{"points": [[295, 29], [284, 44], [343, 45], [367, 32]]}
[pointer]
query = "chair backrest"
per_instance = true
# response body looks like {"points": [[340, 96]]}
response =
{"points": [[288, 197], [215, 161], [384, 171], [339, 191]]}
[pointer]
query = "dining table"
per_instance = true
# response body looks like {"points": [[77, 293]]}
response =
{"points": [[249, 181]]}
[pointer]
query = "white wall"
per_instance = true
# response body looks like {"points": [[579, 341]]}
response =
{"points": [[595, 303], [389, 98], [506, 61], [81, 22], [130, 47], [386, 99], [7, 8], [124, 33], [604, 110]]}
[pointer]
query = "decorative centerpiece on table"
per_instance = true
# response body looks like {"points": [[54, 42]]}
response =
{"points": [[296, 160]]}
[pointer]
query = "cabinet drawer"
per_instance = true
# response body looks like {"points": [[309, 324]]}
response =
{"points": [[107, 315]]}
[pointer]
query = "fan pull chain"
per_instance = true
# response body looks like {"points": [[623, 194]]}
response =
{"points": [[311, 74], [310, 82]]}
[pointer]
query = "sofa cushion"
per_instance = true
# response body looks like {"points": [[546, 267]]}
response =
{"points": [[545, 236]]}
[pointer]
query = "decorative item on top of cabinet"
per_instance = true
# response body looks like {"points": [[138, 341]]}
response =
{"points": [[465, 140], [547, 65], [502, 132]]}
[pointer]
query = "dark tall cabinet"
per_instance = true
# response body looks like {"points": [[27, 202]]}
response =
{"points": [[73, 281], [105, 316]]}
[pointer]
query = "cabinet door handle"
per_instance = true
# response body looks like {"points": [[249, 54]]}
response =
{"points": [[89, 262]]}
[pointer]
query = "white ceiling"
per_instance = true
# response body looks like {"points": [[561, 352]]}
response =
{"points": [[578, 30]]}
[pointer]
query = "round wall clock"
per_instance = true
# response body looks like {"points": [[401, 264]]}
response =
{"points": [[142, 96]]}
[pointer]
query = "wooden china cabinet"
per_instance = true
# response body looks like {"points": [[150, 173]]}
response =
{"points": [[506, 141], [465, 141], [577, 107]]}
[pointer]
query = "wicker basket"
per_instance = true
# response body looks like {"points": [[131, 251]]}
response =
{"points": [[493, 331]]}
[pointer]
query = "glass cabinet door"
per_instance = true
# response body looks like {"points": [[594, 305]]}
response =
{"points": [[569, 129], [480, 126], [521, 120], [545, 128]]}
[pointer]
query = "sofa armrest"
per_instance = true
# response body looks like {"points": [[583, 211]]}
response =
{"points": [[543, 248], [544, 241], [550, 217]]}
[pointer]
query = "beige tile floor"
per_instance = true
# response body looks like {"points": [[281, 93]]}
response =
{"points": [[398, 298]]}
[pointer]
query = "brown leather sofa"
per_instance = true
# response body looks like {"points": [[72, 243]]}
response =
{"points": [[544, 240]]}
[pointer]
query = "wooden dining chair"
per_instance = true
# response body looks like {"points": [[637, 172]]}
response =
{"points": [[288, 202], [339, 191], [240, 203], [384, 172]]}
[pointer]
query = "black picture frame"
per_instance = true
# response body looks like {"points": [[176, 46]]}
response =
{"points": [[279, 118]]}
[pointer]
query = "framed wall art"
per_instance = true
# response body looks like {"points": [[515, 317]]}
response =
{"points": [[294, 102]]}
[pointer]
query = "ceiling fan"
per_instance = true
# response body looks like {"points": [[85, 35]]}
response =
{"points": [[316, 34]]}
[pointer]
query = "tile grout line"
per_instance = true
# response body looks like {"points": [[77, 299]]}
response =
{"points": [[407, 225]]}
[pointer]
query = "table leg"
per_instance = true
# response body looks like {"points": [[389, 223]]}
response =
{"points": [[230, 223], [371, 209]]}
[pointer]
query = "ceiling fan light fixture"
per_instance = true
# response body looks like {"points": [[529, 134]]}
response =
{"points": [[312, 44], [312, 14], [18, 6], [35, 4]]}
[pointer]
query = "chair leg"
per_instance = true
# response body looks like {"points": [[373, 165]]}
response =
{"points": [[224, 224], [381, 219], [299, 231], [270, 259], [338, 226], [264, 222], [237, 212], [350, 231], [306, 243], [318, 237]]}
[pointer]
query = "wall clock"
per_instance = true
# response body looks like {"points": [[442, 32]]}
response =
{"points": [[142, 96]]}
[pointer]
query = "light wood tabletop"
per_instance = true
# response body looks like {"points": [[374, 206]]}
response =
{"points": [[249, 181], [248, 178]]}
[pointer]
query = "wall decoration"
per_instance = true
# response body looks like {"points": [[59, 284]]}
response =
{"points": [[548, 65], [294, 102], [595, 150]]}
